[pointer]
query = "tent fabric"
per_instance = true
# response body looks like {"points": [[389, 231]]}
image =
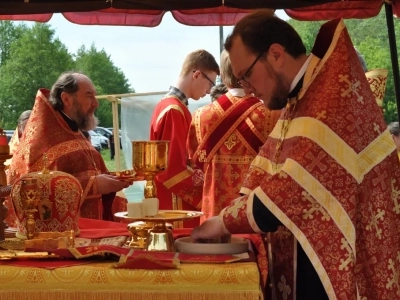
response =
{"points": [[344, 9], [189, 12], [51, 6]]}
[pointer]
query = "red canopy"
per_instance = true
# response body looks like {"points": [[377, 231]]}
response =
{"points": [[200, 12], [149, 13]]}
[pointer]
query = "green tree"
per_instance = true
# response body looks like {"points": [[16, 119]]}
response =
{"points": [[37, 58], [307, 31], [370, 37], [107, 78], [8, 34]]}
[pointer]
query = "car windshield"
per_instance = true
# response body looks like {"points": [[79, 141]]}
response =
{"points": [[92, 133]]}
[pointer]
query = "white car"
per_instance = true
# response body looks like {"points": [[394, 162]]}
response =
{"points": [[106, 132], [102, 139], [95, 139]]}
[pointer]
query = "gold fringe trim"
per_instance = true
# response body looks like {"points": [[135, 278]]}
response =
{"points": [[118, 295]]}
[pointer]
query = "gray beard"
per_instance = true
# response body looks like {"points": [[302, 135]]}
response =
{"points": [[87, 123]]}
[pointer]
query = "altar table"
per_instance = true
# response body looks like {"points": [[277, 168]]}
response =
{"points": [[98, 280]]}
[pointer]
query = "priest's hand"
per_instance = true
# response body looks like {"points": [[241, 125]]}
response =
{"points": [[210, 229], [110, 184]]}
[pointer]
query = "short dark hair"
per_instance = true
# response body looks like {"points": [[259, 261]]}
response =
{"points": [[199, 60], [217, 91], [394, 128], [260, 29], [67, 82]]}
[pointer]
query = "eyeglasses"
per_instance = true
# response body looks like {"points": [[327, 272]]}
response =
{"points": [[206, 77], [242, 81]]}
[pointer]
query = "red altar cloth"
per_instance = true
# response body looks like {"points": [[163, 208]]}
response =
{"points": [[137, 259]]}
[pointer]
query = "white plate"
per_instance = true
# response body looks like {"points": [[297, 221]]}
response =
{"points": [[236, 246]]}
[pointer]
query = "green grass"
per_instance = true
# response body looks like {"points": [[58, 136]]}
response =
{"points": [[110, 164]]}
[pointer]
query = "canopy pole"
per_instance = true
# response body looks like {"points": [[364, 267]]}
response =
{"points": [[221, 39], [393, 55], [114, 105]]}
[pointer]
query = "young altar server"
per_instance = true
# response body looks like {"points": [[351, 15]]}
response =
{"points": [[180, 186]]}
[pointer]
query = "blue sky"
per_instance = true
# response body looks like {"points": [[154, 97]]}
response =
{"points": [[150, 58]]}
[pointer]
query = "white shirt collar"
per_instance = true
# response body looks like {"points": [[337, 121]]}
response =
{"points": [[300, 73], [236, 92]]}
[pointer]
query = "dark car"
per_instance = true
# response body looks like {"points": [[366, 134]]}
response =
{"points": [[9, 134]]}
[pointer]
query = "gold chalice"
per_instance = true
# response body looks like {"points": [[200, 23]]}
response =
{"points": [[148, 159]]}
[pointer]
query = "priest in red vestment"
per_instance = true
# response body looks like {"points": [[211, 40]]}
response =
{"points": [[224, 137], [180, 185], [54, 129], [326, 184]]}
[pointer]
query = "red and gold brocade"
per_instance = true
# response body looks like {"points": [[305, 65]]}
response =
{"points": [[335, 186], [230, 158], [170, 122], [66, 150]]}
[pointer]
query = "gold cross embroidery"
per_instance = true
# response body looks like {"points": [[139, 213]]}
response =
{"points": [[202, 156], [284, 288], [231, 141], [313, 207], [344, 263]]}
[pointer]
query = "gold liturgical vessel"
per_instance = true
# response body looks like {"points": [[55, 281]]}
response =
{"points": [[153, 233], [148, 159]]}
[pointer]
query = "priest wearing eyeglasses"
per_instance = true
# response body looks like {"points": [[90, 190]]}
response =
{"points": [[326, 184], [180, 185]]}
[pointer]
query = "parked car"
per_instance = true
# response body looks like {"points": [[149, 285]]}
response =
{"points": [[95, 139], [103, 140], [103, 131], [9, 134], [111, 129], [106, 132]]}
